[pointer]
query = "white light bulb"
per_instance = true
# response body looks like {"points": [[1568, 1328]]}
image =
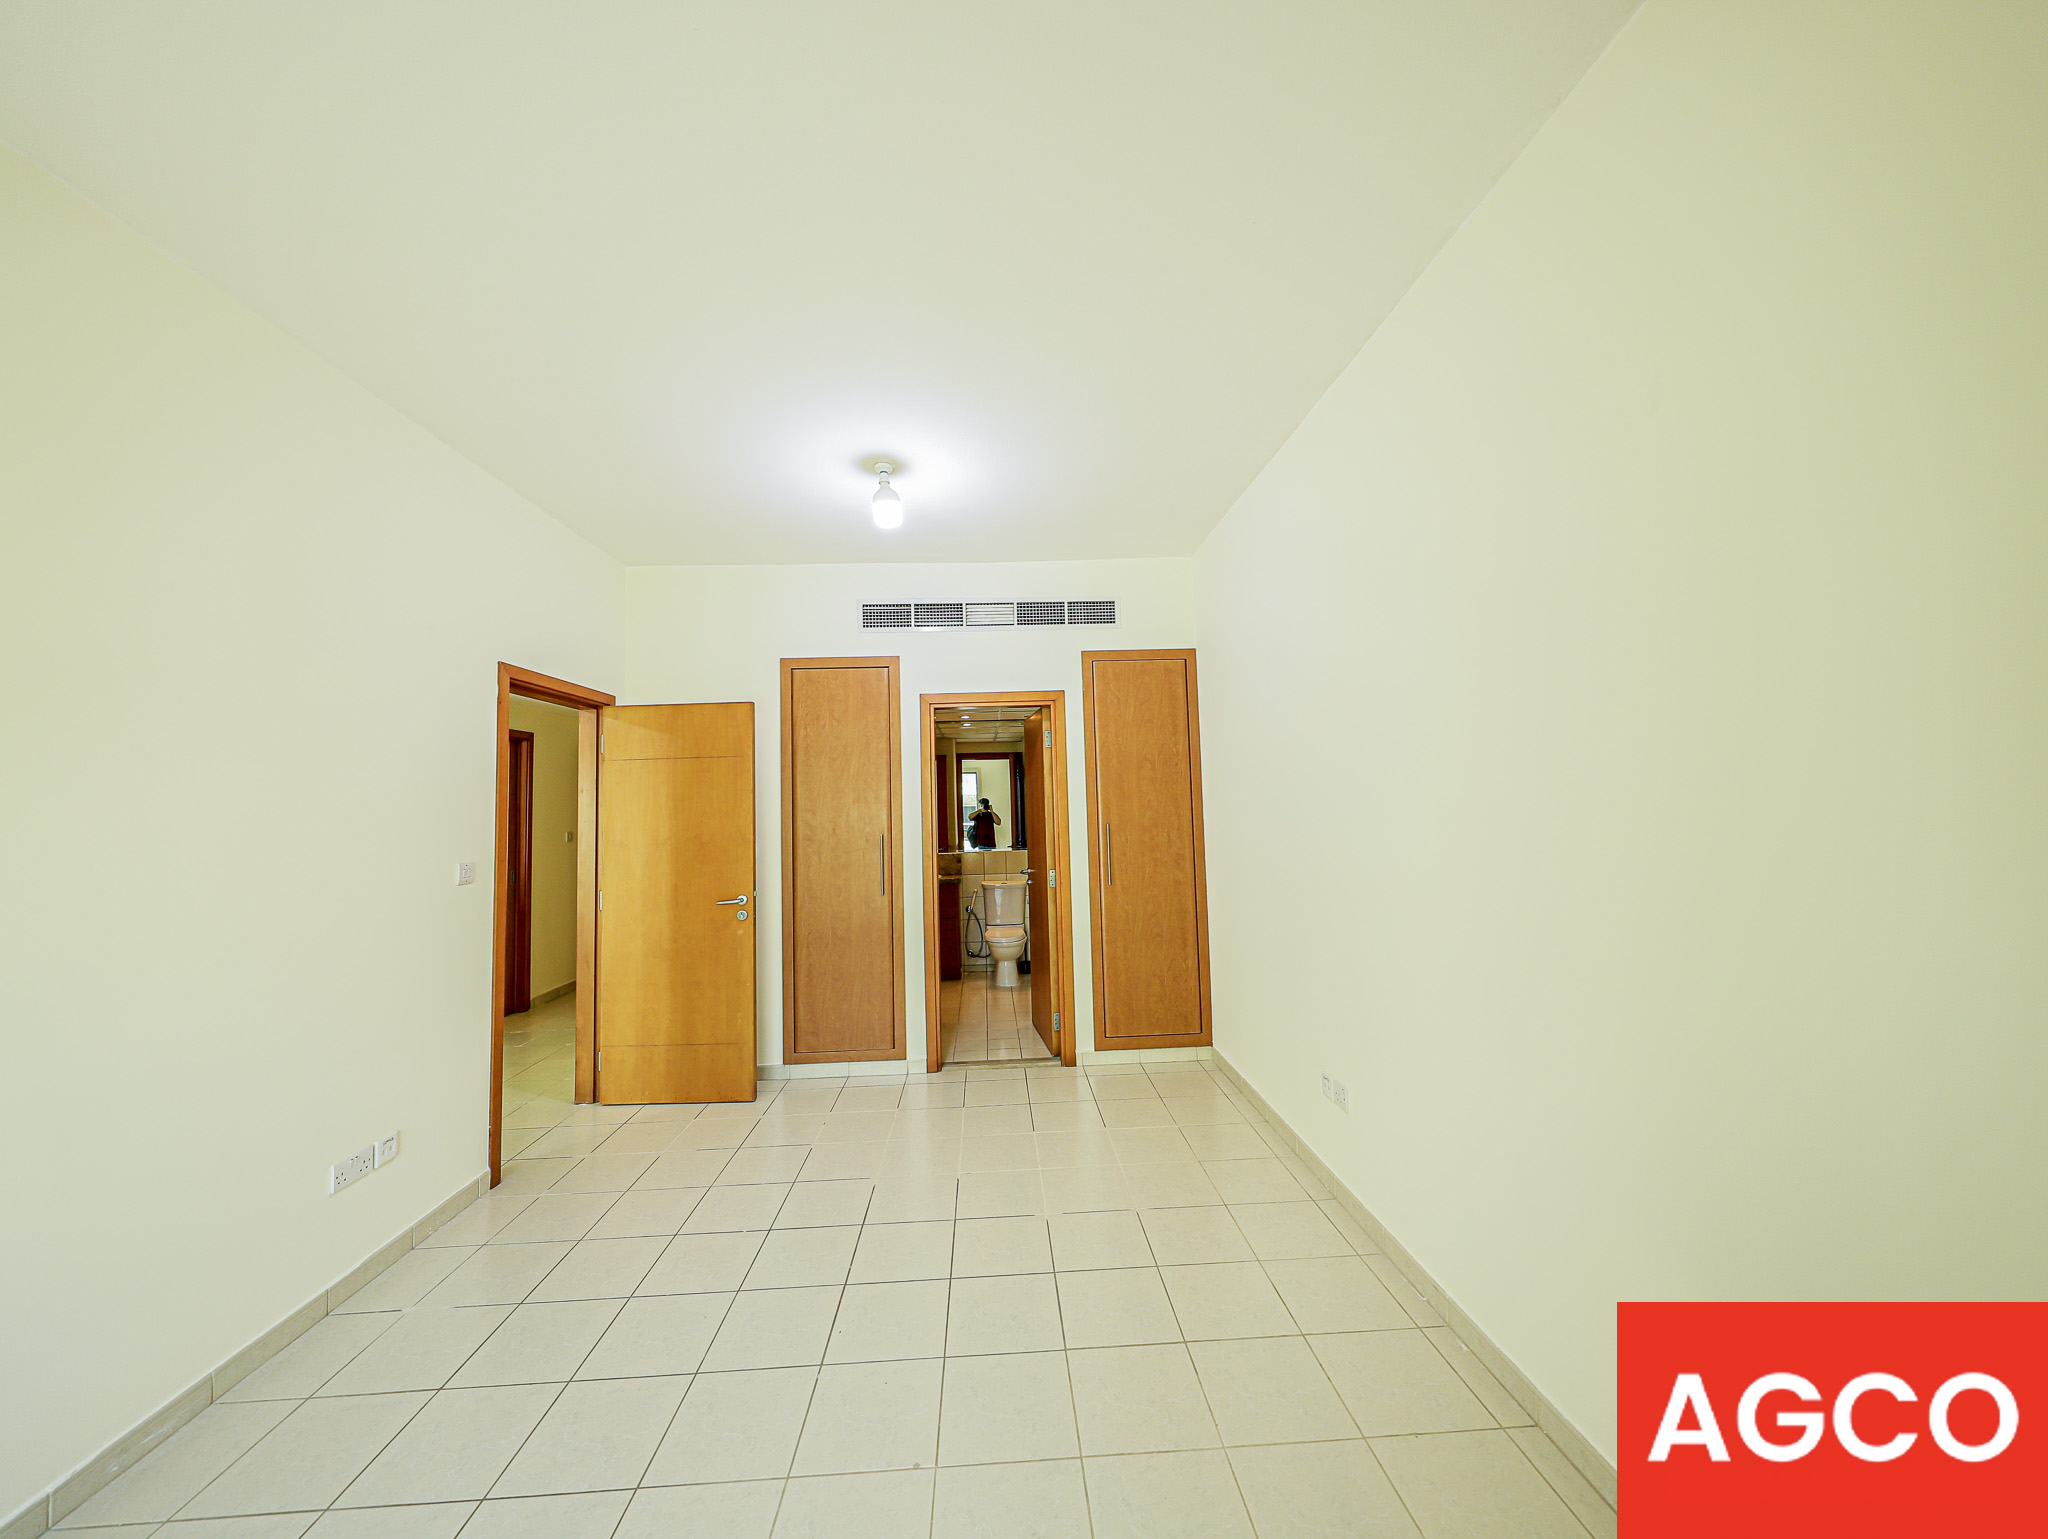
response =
{"points": [[888, 505]]}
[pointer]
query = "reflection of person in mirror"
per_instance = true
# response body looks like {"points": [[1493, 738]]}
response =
{"points": [[985, 820]]}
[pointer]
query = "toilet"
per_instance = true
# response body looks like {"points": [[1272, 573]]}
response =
{"points": [[1004, 913]]}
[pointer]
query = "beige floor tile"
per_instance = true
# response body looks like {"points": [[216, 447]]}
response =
{"points": [[1329, 1294], [585, 1515], [1269, 1389], [1287, 1231], [1224, 1299], [1474, 1485], [1152, 1496], [1045, 1500], [568, 1141], [913, 1197], [1003, 1314], [996, 1152], [525, 1177], [744, 1511], [538, 1344], [599, 1269], [1318, 1490], [1093, 1189], [825, 1204], [479, 1221], [604, 1172], [660, 1212], [1193, 1236], [881, 1321], [774, 1328], [422, 1350], [455, 1449], [1232, 1141], [309, 1458], [843, 1162], [933, 1122], [993, 1091], [640, 1138], [934, 1096], [735, 1426], [598, 1436], [275, 1525], [1139, 1400], [856, 1127], [872, 1416], [995, 1121], [1254, 1180], [1397, 1382], [1151, 1146], [756, 1167], [1104, 1086], [498, 1274], [736, 1208], [992, 1247], [407, 1280], [863, 1098], [903, 1252], [174, 1473], [1419, 1308], [1122, 1307], [1171, 1186], [919, 1159], [301, 1368], [1081, 1148], [556, 1216], [704, 1263], [1007, 1407], [684, 1167], [783, 1132], [1139, 1113], [442, 1520], [1090, 1241], [1000, 1194], [803, 1258], [895, 1504], [657, 1334], [711, 1136], [1202, 1111], [1585, 1502]]}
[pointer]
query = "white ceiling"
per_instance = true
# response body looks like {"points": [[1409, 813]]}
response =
{"points": [[675, 271]]}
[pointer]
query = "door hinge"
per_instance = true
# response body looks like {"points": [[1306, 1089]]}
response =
{"points": [[1048, 737], [600, 900], [600, 1058], [1055, 878], [600, 742], [1055, 1024]]}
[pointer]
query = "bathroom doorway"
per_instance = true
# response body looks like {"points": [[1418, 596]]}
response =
{"points": [[998, 926]]}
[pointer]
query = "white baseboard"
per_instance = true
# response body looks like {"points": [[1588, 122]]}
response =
{"points": [[1145, 1055], [72, 1492], [536, 1001], [1587, 1460]]}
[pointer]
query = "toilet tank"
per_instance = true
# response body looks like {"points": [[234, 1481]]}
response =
{"points": [[1005, 902]]}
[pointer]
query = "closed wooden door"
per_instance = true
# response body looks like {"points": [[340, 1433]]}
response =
{"points": [[842, 858], [1037, 802], [676, 918], [519, 877], [1144, 792]]}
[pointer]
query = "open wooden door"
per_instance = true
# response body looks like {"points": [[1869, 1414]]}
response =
{"points": [[675, 1016], [1037, 804]]}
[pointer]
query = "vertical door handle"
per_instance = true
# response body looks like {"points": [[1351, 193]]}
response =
{"points": [[882, 855], [1108, 866]]}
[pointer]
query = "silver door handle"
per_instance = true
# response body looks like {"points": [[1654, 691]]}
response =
{"points": [[882, 855], [1108, 866], [728, 902]]}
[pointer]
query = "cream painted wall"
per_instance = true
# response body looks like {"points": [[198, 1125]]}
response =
{"points": [[1672, 566], [554, 858], [252, 621], [719, 633]]}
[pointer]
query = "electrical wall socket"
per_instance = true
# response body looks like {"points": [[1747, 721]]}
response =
{"points": [[387, 1149], [1335, 1093], [352, 1169], [465, 872]]}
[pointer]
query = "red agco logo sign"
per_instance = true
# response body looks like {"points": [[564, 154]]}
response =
{"points": [[1815, 1420]]}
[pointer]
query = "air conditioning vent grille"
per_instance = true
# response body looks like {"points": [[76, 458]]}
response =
{"points": [[984, 614]]}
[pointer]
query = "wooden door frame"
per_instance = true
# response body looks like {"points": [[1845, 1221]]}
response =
{"points": [[1088, 661], [893, 670], [587, 703], [1054, 703]]}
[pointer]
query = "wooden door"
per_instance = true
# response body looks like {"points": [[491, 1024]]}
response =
{"points": [[675, 1016], [519, 878], [842, 914], [1145, 814], [1037, 797]]}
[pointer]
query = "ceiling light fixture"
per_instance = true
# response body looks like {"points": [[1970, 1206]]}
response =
{"points": [[887, 503]]}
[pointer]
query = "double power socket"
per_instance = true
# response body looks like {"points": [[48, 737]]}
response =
{"points": [[1335, 1093], [348, 1171]]}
